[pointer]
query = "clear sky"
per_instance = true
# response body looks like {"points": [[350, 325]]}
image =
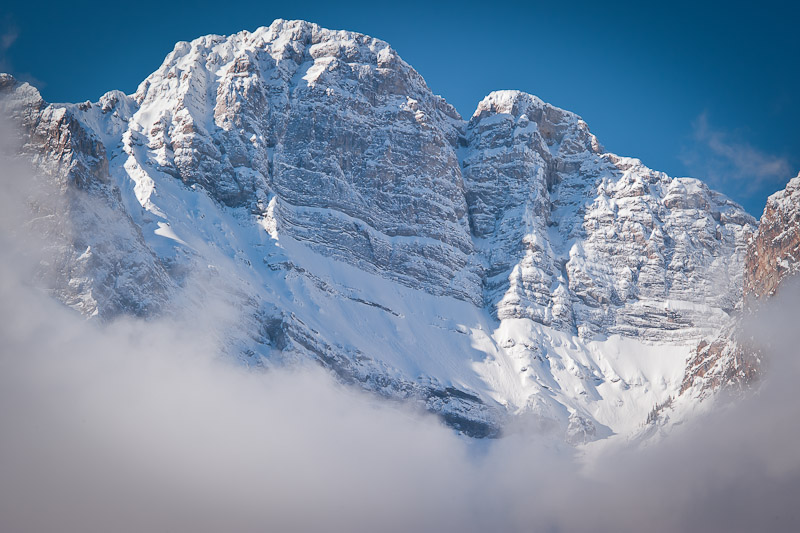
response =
{"points": [[706, 89]]}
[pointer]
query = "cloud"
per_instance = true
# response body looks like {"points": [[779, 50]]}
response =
{"points": [[733, 164], [144, 426], [9, 33], [8, 38], [141, 426]]}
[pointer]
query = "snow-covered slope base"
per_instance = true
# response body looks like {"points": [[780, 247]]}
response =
{"points": [[310, 182]]}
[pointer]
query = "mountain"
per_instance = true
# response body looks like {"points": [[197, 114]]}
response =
{"points": [[492, 268]]}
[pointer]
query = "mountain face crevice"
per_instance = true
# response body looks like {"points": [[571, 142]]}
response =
{"points": [[497, 266]]}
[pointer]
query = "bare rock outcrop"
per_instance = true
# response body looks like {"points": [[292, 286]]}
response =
{"points": [[774, 252]]}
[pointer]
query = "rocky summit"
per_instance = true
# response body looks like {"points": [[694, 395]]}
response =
{"points": [[501, 266]]}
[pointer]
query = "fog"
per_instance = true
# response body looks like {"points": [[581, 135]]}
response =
{"points": [[137, 425]]}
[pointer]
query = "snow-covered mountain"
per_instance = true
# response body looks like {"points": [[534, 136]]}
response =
{"points": [[491, 268]]}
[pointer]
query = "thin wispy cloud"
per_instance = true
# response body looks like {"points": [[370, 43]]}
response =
{"points": [[9, 34], [8, 38], [731, 163]]}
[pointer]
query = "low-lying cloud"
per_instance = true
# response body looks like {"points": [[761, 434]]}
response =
{"points": [[144, 426]]}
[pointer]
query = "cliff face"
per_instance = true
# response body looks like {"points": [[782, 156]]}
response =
{"points": [[499, 266], [773, 255], [774, 252], [329, 135], [584, 240], [95, 258]]}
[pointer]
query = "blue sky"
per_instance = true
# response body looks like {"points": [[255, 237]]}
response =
{"points": [[707, 89]]}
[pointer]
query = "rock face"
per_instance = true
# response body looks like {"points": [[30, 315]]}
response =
{"points": [[339, 136], [581, 239], [773, 255], [774, 252], [96, 259], [486, 268], [723, 363]]}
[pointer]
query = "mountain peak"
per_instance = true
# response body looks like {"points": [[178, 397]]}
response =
{"points": [[20, 89], [553, 123], [513, 102]]}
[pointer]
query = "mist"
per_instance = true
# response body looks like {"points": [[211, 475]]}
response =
{"points": [[138, 425]]}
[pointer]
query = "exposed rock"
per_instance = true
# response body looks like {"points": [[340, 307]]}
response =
{"points": [[724, 362], [581, 239], [774, 252], [96, 260], [340, 133], [580, 430]]}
